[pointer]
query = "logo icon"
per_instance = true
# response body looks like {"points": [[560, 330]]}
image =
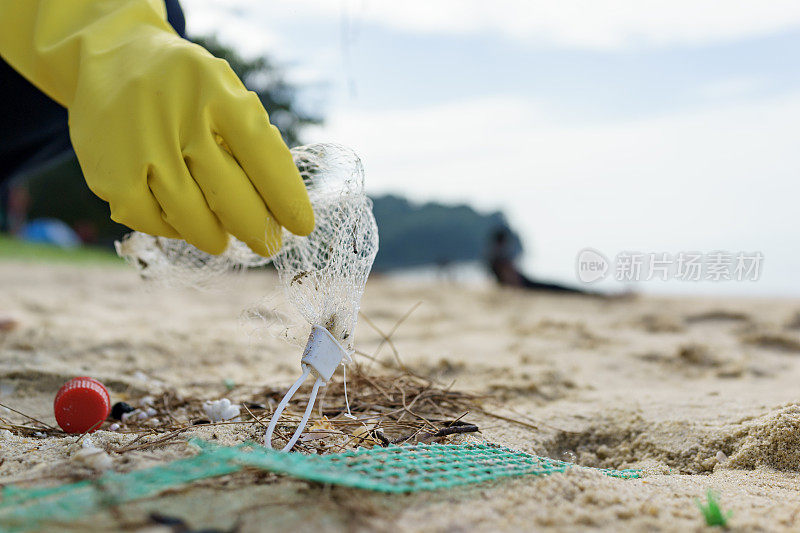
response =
{"points": [[591, 265]]}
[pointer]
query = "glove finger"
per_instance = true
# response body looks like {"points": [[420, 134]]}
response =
{"points": [[232, 197], [265, 158], [185, 208], [141, 212]]}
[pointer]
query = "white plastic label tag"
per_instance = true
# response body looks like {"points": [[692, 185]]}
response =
{"points": [[323, 353]]}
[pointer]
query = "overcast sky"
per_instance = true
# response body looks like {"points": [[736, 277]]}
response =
{"points": [[618, 125]]}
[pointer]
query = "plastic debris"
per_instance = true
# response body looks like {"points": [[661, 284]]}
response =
{"points": [[221, 410], [119, 409], [81, 405], [395, 469], [323, 274]]}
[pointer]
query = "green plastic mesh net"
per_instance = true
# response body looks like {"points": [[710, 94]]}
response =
{"points": [[395, 469]]}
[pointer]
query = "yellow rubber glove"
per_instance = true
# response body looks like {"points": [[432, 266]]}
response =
{"points": [[164, 132]]}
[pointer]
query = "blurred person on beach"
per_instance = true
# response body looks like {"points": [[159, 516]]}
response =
{"points": [[164, 132], [501, 263]]}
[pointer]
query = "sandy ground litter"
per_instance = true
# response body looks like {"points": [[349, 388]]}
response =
{"points": [[701, 393]]}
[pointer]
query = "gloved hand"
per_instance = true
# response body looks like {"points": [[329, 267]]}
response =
{"points": [[164, 132]]}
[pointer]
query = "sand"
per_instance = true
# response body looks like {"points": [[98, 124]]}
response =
{"points": [[702, 393]]}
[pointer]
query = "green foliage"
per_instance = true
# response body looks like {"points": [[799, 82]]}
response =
{"points": [[432, 233], [712, 512], [267, 80], [16, 250]]}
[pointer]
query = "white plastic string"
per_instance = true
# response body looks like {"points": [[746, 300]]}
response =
{"points": [[346, 401], [323, 354], [284, 402]]}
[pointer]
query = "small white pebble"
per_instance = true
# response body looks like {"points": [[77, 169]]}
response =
{"points": [[114, 427], [150, 411], [147, 400], [142, 415], [94, 458], [721, 457]]}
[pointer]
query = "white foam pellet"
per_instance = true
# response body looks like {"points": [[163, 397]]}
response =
{"points": [[221, 410]]}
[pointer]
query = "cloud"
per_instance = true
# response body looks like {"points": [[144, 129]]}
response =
{"points": [[720, 173], [517, 139], [232, 22], [611, 24], [588, 23], [724, 177], [731, 88]]}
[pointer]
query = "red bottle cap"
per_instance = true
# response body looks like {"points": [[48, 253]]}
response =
{"points": [[82, 403]]}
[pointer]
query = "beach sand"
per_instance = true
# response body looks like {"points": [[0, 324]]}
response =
{"points": [[701, 393]]}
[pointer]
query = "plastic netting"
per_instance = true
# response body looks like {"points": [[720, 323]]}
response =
{"points": [[24, 509], [411, 468], [323, 274], [396, 469], [174, 262]]}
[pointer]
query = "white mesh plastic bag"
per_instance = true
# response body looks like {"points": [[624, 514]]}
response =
{"points": [[323, 274], [174, 262]]}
